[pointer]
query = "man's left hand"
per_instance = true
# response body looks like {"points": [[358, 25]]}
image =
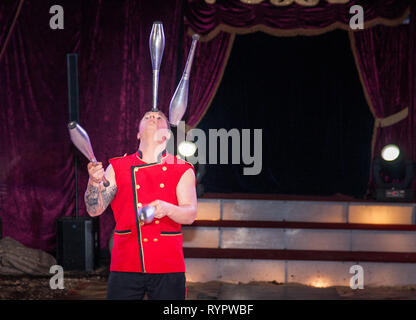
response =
{"points": [[162, 208]]}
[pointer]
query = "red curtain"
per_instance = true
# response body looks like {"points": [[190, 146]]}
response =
{"points": [[239, 17], [220, 21], [115, 78], [9, 13], [385, 58]]}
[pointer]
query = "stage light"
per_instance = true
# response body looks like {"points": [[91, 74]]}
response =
{"points": [[393, 173], [187, 148], [320, 283], [390, 152]]}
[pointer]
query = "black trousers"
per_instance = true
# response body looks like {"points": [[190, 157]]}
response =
{"points": [[157, 286]]}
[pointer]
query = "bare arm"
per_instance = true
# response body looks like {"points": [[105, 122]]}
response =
{"points": [[97, 197], [185, 211]]}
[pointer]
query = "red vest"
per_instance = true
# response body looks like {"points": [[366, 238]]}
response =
{"points": [[138, 247]]}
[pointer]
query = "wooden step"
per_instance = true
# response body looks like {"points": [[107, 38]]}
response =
{"points": [[300, 236], [307, 211], [313, 273], [308, 255], [302, 225], [309, 242]]}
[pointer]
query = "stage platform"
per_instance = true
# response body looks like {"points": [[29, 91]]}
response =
{"points": [[301, 241]]}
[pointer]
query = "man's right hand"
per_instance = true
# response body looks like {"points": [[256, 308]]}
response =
{"points": [[97, 197], [96, 172]]}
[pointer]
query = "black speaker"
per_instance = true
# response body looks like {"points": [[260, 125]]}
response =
{"points": [[73, 90], [77, 243]]}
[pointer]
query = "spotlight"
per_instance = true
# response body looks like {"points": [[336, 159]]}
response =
{"points": [[187, 148], [390, 152], [393, 173]]}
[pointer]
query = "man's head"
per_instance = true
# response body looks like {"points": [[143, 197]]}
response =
{"points": [[155, 126]]}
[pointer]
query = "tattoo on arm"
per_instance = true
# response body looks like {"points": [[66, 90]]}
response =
{"points": [[108, 195], [97, 201], [91, 199]]}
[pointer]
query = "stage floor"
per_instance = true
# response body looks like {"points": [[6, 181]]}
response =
{"points": [[93, 286]]}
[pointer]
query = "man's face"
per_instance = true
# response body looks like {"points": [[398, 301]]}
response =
{"points": [[151, 123]]}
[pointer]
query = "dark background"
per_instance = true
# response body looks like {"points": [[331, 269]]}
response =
{"points": [[306, 96]]}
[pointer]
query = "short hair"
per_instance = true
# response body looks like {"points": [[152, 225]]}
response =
{"points": [[161, 114]]}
